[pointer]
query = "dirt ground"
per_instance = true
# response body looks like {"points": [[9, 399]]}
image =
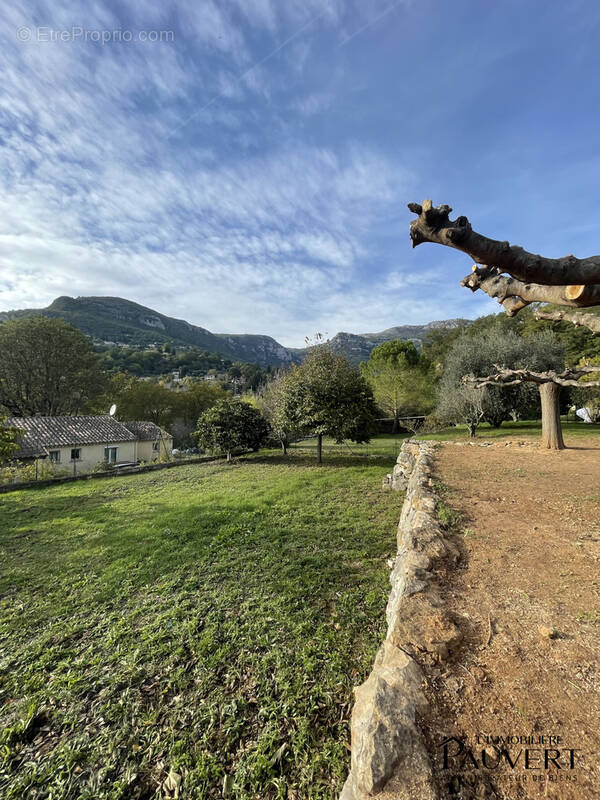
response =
{"points": [[526, 595]]}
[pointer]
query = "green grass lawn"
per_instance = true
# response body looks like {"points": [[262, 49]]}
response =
{"points": [[512, 430], [206, 622], [388, 445], [385, 446]]}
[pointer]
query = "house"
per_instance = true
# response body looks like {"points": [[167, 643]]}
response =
{"points": [[80, 443], [216, 376], [152, 441]]}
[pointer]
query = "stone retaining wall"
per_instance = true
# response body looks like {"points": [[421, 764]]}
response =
{"points": [[389, 759]]}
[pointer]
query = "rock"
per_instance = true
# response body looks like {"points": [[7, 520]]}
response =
{"points": [[420, 627], [547, 633], [383, 715], [386, 745], [389, 759]]}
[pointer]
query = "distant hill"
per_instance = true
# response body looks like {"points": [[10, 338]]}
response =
{"points": [[357, 346], [113, 319]]}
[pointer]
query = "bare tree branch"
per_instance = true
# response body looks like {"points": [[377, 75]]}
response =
{"points": [[491, 281], [591, 321], [513, 305], [434, 225], [513, 377]]}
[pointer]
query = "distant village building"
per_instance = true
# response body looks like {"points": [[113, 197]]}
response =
{"points": [[80, 443], [216, 376]]}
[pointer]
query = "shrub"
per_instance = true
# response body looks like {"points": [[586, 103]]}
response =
{"points": [[231, 425]]}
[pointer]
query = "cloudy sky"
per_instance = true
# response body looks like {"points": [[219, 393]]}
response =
{"points": [[250, 172]]}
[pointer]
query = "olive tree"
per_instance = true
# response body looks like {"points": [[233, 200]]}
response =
{"points": [[478, 356], [516, 278]]}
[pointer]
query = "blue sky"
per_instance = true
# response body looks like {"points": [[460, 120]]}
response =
{"points": [[250, 172]]}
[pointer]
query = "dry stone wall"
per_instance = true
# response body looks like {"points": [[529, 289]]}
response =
{"points": [[389, 758]]}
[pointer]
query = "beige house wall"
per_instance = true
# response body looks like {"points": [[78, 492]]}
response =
{"points": [[92, 454], [146, 451]]}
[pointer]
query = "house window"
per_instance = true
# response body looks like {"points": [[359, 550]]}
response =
{"points": [[75, 454], [54, 456], [110, 454]]}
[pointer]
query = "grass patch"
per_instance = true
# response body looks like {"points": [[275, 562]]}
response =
{"points": [[384, 446], [388, 445], [449, 518], [592, 617], [202, 626], [510, 430]]}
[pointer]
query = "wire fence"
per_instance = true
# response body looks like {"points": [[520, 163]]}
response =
{"points": [[385, 446]]}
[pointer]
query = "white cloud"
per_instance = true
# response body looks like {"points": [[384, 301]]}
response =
{"points": [[235, 223]]}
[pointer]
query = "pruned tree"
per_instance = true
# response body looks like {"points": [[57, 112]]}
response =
{"points": [[591, 321], [549, 384], [477, 356], [530, 278]]}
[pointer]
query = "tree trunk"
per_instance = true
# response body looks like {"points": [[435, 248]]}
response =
{"points": [[472, 429], [552, 438], [396, 424], [284, 447], [229, 456], [320, 448]]}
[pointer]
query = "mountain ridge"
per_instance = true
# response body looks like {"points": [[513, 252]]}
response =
{"points": [[124, 322]]}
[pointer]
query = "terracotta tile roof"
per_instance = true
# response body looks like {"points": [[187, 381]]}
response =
{"points": [[44, 433], [145, 431]]}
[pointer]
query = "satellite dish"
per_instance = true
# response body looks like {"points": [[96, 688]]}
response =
{"points": [[113, 408]]}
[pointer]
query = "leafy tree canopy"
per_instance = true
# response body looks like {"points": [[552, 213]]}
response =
{"points": [[402, 380], [8, 440], [327, 395], [176, 410], [231, 424], [271, 400], [46, 367], [397, 352], [478, 356]]}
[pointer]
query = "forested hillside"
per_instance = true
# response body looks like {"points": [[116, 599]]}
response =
{"points": [[113, 320]]}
